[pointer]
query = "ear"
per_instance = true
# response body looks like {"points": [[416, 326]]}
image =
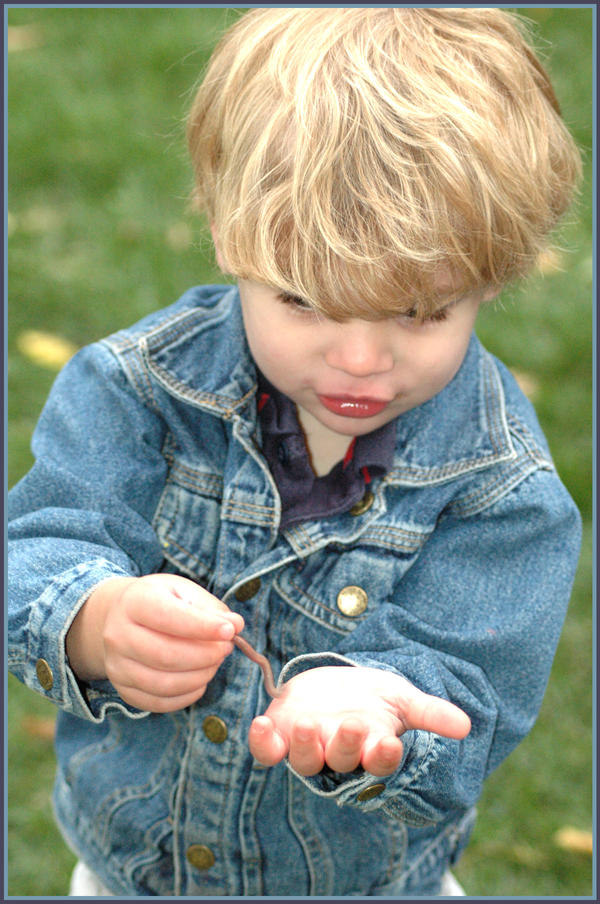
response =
{"points": [[220, 259]]}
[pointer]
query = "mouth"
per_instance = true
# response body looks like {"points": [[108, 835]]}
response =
{"points": [[347, 406]]}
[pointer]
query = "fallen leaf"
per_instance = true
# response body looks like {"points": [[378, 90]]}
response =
{"points": [[39, 728], [527, 382], [45, 349], [23, 37], [572, 839], [40, 218]]}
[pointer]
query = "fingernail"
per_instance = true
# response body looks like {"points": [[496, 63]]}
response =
{"points": [[226, 630]]}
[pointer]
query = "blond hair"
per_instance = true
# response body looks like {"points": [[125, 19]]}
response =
{"points": [[351, 156]]}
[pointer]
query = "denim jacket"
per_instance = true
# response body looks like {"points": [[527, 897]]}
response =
{"points": [[148, 459]]}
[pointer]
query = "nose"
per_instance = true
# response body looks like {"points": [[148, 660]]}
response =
{"points": [[360, 348]]}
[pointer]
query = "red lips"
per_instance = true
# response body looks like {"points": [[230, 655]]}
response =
{"points": [[347, 406]]}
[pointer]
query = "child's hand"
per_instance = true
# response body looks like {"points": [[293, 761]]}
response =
{"points": [[159, 639], [344, 717]]}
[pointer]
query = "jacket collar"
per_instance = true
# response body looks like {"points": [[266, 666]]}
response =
{"points": [[462, 428], [207, 328]]}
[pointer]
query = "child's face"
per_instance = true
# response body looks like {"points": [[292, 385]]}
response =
{"points": [[355, 376]]}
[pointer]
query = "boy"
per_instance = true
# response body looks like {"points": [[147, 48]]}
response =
{"points": [[324, 458]]}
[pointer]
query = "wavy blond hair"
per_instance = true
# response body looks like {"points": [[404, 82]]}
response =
{"points": [[352, 156]]}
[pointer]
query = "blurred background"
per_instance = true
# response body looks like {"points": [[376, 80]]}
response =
{"points": [[100, 234]]}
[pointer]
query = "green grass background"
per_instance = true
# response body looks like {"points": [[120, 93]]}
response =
{"points": [[100, 234]]}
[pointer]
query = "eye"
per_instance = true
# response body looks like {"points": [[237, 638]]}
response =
{"points": [[294, 301], [435, 317]]}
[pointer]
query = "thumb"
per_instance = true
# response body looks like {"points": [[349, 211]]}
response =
{"points": [[428, 713]]}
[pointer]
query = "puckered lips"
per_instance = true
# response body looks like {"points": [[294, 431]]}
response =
{"points": [[349, 406]]}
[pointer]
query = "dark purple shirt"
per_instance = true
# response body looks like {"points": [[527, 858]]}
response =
{"points": [[303, 495]]}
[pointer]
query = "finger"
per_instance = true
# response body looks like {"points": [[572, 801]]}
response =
{"points": [[306, 751], [156, 704], [382, 756], [189, 593], [167, 653], [343, 751], [135, 675], [429, 713], [167, 614], [265, 743]]}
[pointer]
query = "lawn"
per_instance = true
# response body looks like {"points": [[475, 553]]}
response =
{"points": [[100, 234]]}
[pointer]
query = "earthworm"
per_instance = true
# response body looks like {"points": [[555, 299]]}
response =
{"points": [[249, 651]]}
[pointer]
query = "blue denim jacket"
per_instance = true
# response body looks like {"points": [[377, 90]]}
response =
{"points": [[149, 459]]}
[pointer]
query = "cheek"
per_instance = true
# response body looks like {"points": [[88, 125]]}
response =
{"points": [[441, 359], [272, 351]]}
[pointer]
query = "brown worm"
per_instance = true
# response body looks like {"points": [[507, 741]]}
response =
{"points": [[249, 651]]}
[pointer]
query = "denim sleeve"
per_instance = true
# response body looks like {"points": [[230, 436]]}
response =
{"points": [[476, 620], [81, 515]]}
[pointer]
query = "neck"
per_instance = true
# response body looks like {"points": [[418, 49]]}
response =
{"points": [[325, 447]]}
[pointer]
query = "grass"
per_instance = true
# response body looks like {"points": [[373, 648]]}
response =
{"points": [[99, 234]]}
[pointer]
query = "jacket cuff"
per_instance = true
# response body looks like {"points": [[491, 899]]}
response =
{"points": [[46, 668], [394, 794]]}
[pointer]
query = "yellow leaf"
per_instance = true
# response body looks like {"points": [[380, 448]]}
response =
{"points": [[39, 728], [527, 383], [40, 218], [23, 37], [572, 839], [45, 349]]}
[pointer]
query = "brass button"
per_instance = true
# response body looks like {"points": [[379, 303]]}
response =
{"points": [[352, 600], [215, 729], [248, 590], [200, 856], [370, 792], [363, 505], [44, 674]]}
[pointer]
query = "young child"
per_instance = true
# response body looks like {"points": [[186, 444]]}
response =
{"points": [[323, 459]]}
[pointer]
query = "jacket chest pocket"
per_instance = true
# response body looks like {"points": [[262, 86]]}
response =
{"points": [[315, 605], [188, 518]]}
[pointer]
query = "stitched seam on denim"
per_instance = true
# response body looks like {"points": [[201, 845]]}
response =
{"points": [[436, 842], [304, 542], [205, 485], [305, 840], [133, 370], [418, 476], [151, 854], [201, 567], [178, 805], [394, 807], [312, 616], [525, 436], [396, 867], [399, 538], [486, 496], [121, 796], [178, 326], [223, 406], [159, 514], [393, 547], [248, 513], [494, 404]]}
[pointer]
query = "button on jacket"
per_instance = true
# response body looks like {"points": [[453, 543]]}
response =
{"points": [[456, 575]]}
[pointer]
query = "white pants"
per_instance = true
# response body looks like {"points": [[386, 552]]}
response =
{"points": [[84, 884]]}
